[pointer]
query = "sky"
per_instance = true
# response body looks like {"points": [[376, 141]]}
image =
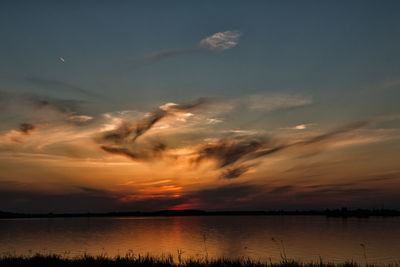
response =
{"points": [[213, 105]]}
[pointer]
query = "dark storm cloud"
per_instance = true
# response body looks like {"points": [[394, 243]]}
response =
{"points": [[346, 191], [387, 177], [122, 139], [153, 204], [26, 128], [130, 132], [148, 153], [264, 197], [87, 200], [281, 189], [120, 151], [381, 177], [9, 184], [241, 196], [18, 197], [229, 152], [338, 185], [92, 191], [316, 139], [229, 195], [232, 173]]}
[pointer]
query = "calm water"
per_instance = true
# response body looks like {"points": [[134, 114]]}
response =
{"points": [[263, 237]]}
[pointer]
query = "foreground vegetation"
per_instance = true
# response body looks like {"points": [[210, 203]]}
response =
{"points": [[165, 261]]}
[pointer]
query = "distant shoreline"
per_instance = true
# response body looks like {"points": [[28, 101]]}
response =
{"points": [[342, 213]]}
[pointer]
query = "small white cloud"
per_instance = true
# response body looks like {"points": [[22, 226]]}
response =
{"points": [[242, 132], [213, 121], [80, 118], [210, 140], [162, 126], [183, 117], [167, 106], [220, 41], [300, 127]]}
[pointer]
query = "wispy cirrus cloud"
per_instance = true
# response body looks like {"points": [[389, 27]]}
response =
{"points": [[60, 86], [33, 111], [232, 155], [276, 101], [122, 139], [232, 173], [218, 42], [172, 138], [37, 102]]}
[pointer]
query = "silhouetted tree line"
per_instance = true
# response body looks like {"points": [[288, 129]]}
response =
{"points": [[343, 212]]}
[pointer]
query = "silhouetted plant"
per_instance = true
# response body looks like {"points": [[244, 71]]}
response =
{"points": [[365, 253], [147, 260]]}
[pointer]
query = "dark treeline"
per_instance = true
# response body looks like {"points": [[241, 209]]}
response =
{"points": [[343, 212]]}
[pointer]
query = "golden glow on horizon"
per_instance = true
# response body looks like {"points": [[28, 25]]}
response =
{"points": [[64, 158]]}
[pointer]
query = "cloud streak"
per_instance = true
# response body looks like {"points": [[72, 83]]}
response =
{"points": [[39, 102], [55, 85], [39, 110], [230, 154], [217, 42], [122, 139], [234, 156], [276, 101], [232, 173]]}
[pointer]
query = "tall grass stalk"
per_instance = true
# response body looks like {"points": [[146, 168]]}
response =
{"points": [[131, 259]]}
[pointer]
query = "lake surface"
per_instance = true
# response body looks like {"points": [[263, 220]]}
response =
{"points": [[304, 238]]}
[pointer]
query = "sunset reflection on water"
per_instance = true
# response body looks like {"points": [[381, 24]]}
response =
{"points": [[263, 237]]}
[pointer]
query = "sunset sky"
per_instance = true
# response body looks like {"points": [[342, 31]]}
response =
{"points": [[214, 105]]}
